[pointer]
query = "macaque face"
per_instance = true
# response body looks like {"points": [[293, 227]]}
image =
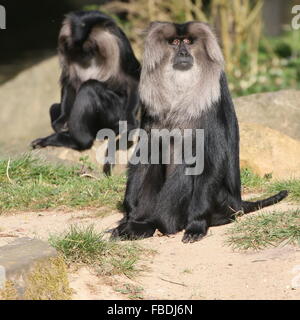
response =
{"points": [[182, 57], [183, 45]]}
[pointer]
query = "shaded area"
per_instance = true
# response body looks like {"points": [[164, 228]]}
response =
{"points": [[31, 32]]}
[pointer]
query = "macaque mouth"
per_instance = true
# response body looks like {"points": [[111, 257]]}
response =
{"points": [[183, 63]]}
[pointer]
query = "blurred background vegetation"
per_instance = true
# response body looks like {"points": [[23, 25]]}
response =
{"points": [[261, 50]]}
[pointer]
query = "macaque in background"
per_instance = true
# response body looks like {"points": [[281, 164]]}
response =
{"points": [[99, 81]]}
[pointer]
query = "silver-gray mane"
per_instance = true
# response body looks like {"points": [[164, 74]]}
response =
{"points": [[103, 67], [174, 93]]}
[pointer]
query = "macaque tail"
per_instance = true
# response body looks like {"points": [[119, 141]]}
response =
{"points": [[248, 206]]}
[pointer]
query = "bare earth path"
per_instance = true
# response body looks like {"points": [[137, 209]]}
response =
{"points": [[208, 269]]}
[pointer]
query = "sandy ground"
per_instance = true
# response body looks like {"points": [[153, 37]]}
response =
{"points": [[208, 269]]}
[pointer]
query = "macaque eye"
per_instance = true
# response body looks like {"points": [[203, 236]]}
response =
{"points": [[175, 42], [187, 41]]}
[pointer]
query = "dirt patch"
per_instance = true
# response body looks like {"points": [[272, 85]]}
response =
{"points": [[211, 270], [208, 269]]}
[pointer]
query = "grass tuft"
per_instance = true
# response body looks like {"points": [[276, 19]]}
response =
{"points": [[251, 181], [133, 292], [83, 245], [265, 229], [292, 185]]}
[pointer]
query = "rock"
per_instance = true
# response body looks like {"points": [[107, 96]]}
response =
{"points": [[25, 102], [265, 151], [70, 156], [96, 156], [32, 269], [277, 110]]}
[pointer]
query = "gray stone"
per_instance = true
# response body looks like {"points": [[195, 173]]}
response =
{"points": [[95, 155], [277, 110], [268, 151], [19, 257], [25, 102]]}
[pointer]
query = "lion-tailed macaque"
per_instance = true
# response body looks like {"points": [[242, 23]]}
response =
{"points": [[183, 86], [99, 81]]}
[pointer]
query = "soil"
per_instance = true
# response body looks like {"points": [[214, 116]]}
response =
{"points": [[208, 269]]}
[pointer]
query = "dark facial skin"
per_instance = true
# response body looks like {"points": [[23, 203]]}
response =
{"points": [[81, 54], [183, 60]]}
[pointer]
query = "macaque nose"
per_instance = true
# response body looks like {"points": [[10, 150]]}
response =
{"points": [[183, 53]]}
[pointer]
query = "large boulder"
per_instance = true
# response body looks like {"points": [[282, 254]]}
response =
{"points": [[277, 110], [267, 151], [25, 101], [30, 269]]}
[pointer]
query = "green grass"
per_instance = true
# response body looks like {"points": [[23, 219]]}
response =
{"points": [[28, 183], [251, 181], [189, 271], [83, 245], [292, 185], [133, 292], [254, 183], [264, 230], [32, 184]]}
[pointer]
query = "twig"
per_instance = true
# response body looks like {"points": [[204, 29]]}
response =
{"points": [[6, 235], [180, 284], [89, 176], [7, 169]]}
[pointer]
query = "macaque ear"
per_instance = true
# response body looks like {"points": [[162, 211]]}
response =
{"points": [[212, 48], [65, 34], [155, 43]]}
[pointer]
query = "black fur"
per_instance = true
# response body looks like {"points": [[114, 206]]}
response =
{"points": [[173, 202], [87, 107]]}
